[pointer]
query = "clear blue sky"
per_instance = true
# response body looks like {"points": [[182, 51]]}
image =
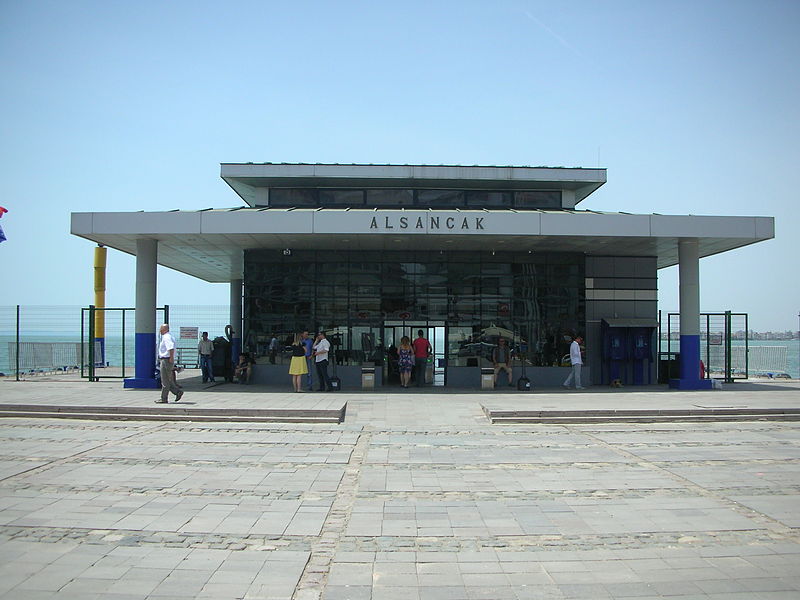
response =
{"points": [[692, 106]]}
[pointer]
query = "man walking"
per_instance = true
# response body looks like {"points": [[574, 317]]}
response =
{"points": [[308, 344], [206, 348], [166, 363], [422, 350], [577, 363], [321, 349]]}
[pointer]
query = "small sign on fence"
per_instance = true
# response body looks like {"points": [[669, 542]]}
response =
{"points": [[189, 333], [715, 339]]}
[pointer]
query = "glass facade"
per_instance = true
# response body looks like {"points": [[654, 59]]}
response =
{"points": [[434, 198], [533, 299]]}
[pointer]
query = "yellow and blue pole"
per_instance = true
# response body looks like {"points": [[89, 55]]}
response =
{"points": [[100, 304]]}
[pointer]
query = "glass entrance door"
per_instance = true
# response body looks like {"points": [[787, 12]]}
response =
{"points": [[434, 331]]}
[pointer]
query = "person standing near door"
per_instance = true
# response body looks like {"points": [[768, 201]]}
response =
{"points": [[422, 350], [206, 348], [321, 349], [298, 366], [308, 344], [405, 361]]}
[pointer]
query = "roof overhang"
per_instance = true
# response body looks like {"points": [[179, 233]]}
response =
{"points": [[209, 244], [250, 180]]}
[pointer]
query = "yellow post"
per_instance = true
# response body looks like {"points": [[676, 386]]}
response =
{"points": [[100, 302]]}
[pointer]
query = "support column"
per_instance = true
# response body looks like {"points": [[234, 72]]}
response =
{"points": [[236, 319], [689, 282], [146, 269]]}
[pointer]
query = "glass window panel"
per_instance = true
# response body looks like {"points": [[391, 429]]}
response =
{"points": [[365, 291], [489, 199], [292, 197], [537, 199], [324, 277], [432, 198], [543, 292], [341, 197], [464, 348], [368, 279], [390, 197]]}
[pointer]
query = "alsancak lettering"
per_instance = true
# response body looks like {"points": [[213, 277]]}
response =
{"points": [[434, 223]]}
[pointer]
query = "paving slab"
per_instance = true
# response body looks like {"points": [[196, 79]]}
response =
{"points": [[415, 495]]}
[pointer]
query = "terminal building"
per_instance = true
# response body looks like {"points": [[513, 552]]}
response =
{"points": [[467, 254]]}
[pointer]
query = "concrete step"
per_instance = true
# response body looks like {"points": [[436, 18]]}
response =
{"points": [[500, 416], [175, 412]]}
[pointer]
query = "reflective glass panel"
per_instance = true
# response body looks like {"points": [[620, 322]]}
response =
{"points": [[433, 198], [489, 199], [341, 197], [292, 197], [390, 197], [538, 199]]}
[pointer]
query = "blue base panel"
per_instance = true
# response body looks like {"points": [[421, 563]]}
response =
{"points": [[142, 383], [691, 384]]}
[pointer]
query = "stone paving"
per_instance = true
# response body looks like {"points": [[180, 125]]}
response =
{"points": [[414, 496]]}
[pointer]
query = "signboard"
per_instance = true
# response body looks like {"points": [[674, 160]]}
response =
{"points": [[715, 339], [189, 333]]}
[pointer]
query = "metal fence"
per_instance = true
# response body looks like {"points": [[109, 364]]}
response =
{"points": [[716, 344], [59, 341], [726, 349]]}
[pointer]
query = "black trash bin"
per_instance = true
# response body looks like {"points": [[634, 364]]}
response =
{"points": [[669, 368], [221, 359]]}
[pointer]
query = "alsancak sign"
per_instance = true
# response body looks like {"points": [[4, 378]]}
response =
{"points": [[397, 222], [427, 223]]}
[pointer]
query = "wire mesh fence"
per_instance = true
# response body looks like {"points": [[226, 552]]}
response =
{"points": [[67, 341], [727, 350]]}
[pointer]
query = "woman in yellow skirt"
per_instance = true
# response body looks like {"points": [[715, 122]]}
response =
{"points": [[298, 367]]}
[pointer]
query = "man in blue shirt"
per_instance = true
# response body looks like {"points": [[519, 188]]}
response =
{"points": [[308, 344]]}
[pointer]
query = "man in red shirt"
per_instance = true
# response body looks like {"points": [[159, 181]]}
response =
{"points": [[422, 350]]}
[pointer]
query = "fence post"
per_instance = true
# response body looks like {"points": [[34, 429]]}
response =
{"points": [[708, 346], [746, 346], [728, 349], [91, 342], [123, 343], [16, 353], [83, 346]]}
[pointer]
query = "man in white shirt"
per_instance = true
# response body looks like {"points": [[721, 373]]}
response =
{"points": [[321, 349], [577, 363], [166, 363], [205, 348]]}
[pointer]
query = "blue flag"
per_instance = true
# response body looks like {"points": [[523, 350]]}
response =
{"points": [[2, 235]]}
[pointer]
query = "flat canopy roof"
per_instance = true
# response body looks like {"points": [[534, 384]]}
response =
{"points": [[209, 244], [249, 179]]}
